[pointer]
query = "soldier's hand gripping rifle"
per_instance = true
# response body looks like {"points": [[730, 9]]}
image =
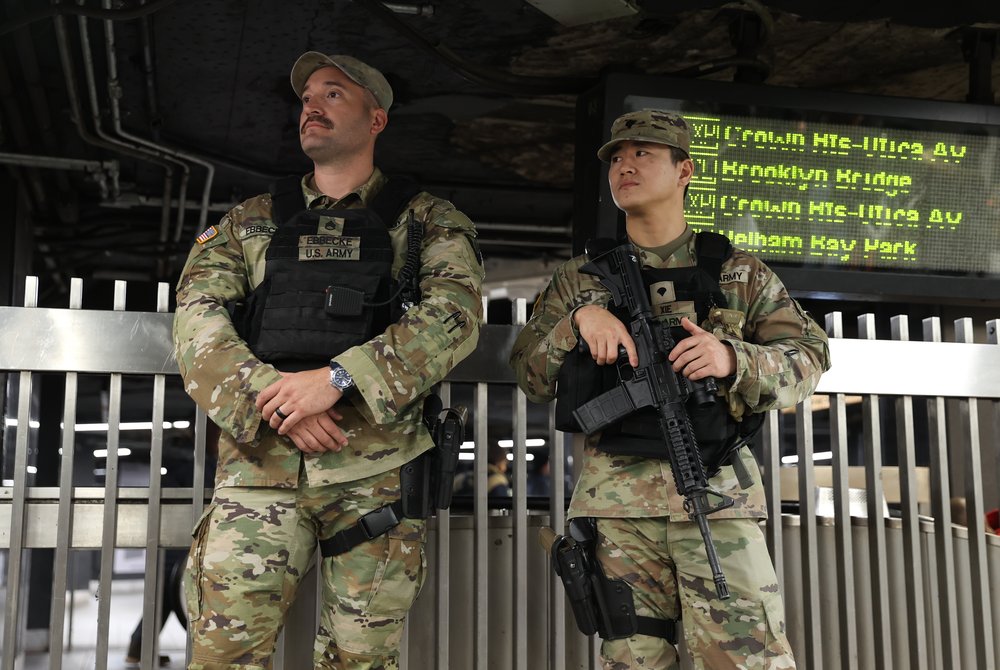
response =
{"points": [[653, 383]]}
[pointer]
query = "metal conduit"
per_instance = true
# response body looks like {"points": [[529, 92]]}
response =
{"points": [[34, 91], [115, 92], [57, 11], [95, 111], [101, 171], [102, 141]]}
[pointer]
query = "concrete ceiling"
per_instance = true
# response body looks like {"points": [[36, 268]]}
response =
{"points": [[485, 107]]}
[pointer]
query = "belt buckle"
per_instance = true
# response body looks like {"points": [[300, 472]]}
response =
{"points": [[378, 522]]}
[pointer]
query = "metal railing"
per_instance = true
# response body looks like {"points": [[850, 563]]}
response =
{"points": [[862, 591]]}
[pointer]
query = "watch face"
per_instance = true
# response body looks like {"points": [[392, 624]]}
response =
{"points": [[342, 378]]}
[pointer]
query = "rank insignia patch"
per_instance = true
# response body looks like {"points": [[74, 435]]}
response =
{"points": [[209, 233]]}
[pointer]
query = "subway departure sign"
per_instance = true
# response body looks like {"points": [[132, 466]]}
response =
{"points": [[845, 195], [864, 195]]}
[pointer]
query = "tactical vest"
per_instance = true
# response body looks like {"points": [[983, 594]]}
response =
{"points": [[328, 282], [638, 434]]}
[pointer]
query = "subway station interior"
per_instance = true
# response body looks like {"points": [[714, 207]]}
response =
{"points": [[852, 146]]}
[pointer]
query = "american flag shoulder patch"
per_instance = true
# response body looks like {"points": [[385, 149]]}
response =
{"points": [[209, 233]]}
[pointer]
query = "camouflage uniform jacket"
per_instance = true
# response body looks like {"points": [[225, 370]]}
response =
{"points": [[780, 354], [393, 371]]}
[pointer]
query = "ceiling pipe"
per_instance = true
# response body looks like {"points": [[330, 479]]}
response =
{"points": [[149, 70], [95, 110], [34, 92], [101, 171], [56, 10], [76, 114], [411, 9], [115, 92]]}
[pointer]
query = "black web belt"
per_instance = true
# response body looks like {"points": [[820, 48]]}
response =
{"points": [[371, 525], [664, 628]]}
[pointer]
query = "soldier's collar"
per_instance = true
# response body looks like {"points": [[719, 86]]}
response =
{"points": [[363, 193]]}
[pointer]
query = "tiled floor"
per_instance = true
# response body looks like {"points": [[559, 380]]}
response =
{"points": [[126, 608]]}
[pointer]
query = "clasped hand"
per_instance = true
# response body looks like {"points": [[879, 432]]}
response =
{"points": [[697, 356], [306, 401]]}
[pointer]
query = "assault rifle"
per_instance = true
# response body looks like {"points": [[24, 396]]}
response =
{"points": [[654, 384]]}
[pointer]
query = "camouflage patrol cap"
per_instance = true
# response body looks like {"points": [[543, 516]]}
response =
{"points": [[360, 73], [648, 125]]}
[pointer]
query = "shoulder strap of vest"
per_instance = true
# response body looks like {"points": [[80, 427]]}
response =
{"points": [[713, 250], [391, 201], [286, 199]]}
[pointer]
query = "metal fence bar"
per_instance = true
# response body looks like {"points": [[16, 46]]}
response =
{"points": [[520, 510], [557, 517], [810, 556], [480, 534], [198, 473], [197, 487], [947, 604], [876, 525], [847, 612], [993, 338], [60, 563], [442, 601], [110, 526], [978, 567], [771, 439], [912, 564], [153, 579], [15, 556]]}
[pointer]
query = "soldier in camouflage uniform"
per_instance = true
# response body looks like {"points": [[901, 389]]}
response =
{"points": [[765, 351], [301, 459]]}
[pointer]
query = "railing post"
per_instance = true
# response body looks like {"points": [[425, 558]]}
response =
{"points": [[881, 614]]}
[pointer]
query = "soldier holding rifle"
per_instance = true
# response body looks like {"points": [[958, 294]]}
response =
{"points": [[677, 377]]}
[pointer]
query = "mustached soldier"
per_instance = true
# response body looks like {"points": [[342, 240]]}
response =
{"points": [[734, 321], [290, 332]]}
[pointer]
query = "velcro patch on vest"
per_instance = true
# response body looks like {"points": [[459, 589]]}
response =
{"points": [[671, 313], [661, 292], [329, 248], [330, 225], [738, 275]]}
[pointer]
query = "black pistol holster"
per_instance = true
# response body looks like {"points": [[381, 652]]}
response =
{"points": [[425, 483], [600, 604]]}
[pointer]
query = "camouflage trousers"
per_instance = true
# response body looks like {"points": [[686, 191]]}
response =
{"points": [[666, 566], [253, 545]]}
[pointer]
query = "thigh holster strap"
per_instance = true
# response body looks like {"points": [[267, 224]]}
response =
{"points": [[371, 525]]}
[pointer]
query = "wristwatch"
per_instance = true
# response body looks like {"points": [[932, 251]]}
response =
{"points": [[340, 378]]}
